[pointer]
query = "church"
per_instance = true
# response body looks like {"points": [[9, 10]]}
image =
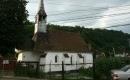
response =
{"points": [[54, 47]]}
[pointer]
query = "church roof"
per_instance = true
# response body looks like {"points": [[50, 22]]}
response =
{"points": [[59, 41]]}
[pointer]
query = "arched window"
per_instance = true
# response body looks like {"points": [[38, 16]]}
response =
{"points": [[83, 60], [66, 55], [80, 56], [71, 60], [43, 56], [56, 57]]}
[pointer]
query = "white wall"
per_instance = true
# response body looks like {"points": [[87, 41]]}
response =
{"points": [[42, 61], [42, 26], [45, 66], [56, 66], [28, 56]]}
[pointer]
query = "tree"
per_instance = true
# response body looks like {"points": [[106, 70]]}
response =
{"points": [[13, 16], [101, 39]]}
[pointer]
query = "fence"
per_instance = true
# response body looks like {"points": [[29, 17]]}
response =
{"points": [[49, 71], [7, 67], [7, 64]]}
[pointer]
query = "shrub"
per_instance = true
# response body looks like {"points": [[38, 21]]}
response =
{"points": [[86, 72], [25, 71], [103, 67]]}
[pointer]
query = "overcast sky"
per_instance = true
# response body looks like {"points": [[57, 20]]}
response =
{"points": [[88, 13]]}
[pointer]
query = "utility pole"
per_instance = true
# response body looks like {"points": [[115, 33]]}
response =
{"points": [[63, 71], [129, 42], [114, 51], [94, 71], [50, 69]]}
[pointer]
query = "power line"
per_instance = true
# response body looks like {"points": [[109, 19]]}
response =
{"points": [[81, 20], [83, 10], [75, 13], [90, 20], [76, 5], [87, 10], [118, 25], [91, 17]]}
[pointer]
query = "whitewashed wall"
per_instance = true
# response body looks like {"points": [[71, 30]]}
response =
{"points": [[56, 66], [40, 26], [48, 63], [42, 61], [28, 56]]}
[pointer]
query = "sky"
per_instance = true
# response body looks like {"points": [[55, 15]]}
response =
{"points": [[104, 14]]}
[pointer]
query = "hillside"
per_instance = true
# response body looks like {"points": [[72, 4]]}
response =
{"points": [[101, 39]]}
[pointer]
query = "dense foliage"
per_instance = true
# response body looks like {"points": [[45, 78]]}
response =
{"points": [[103, 67], [13, 16], [101, 39]]}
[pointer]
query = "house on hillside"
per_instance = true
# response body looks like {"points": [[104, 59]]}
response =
{"points": [[54, 47]]}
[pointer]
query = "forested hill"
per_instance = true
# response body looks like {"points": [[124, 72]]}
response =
{"points": [[101, 39]]}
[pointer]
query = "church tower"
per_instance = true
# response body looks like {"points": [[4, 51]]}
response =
{"points": [[40, 19]]}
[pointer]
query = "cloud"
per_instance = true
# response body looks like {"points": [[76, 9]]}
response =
{"points": [[114, 16], [73, 12]]}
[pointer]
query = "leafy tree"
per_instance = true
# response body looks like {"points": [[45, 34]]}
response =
{"points": [[103, 67], [101, 39], [13, 16]]}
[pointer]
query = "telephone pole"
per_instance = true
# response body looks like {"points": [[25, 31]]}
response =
{"points": [[114, 51]]}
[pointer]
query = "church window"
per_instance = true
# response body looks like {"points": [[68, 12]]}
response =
{"points": [[56, 57], [71, 60], [66, 55], [83, 60], [80, 56], [43, 56]]}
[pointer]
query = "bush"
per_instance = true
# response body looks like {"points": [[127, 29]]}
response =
{"points": [[103, 66], [86, 72], [26, 71]]}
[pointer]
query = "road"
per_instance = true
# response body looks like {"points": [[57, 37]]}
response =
{"points": [[18, 78]]}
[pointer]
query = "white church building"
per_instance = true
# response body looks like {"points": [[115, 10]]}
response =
{"points": [[55, 47]]}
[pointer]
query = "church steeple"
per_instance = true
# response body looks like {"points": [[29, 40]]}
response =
{"points": [[41, 10], [40, 19]]}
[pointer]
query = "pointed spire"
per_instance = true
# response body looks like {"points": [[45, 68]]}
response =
{"points": [[40, 20], [41, 6], [41, 10]]}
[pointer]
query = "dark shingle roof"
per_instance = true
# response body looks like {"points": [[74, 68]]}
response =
{"points": [[59, 41]]}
